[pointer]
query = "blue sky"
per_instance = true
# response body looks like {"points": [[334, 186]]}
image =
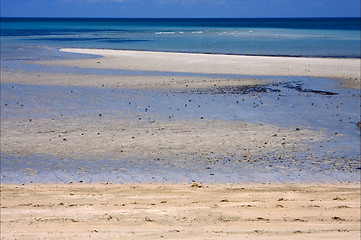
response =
{"points": [[180, 8]]}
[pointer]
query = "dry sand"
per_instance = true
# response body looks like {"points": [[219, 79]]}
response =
{"points": [[150, 211]]}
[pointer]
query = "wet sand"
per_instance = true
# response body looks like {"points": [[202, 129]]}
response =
{"points": [[69, 127], [236, 131], [151, 211]]}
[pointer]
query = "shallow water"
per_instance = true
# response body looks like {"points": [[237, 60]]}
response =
{"points": [[291, 102], [47, 169]]}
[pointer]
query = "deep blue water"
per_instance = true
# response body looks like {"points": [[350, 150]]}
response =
{"points": [[320, 37]]}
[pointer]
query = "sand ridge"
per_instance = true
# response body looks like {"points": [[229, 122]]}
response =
{"points": [[346, 69]]}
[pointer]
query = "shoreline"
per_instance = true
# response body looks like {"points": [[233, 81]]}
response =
{"points": [[220, 146]]}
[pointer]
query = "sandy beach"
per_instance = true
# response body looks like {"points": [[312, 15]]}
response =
{"points": [[170, 130]]}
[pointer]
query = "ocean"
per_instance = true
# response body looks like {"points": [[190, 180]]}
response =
{"points": [[28, 38]]}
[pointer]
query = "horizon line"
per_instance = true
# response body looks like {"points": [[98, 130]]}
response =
{"points": [[180, 17]]}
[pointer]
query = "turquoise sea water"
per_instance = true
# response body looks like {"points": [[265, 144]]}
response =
{"points": [[320, 37]]}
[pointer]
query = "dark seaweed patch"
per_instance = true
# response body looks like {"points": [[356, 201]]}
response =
{"points": [[319, 92], [298, 87], [255, 89], [251, 89]]}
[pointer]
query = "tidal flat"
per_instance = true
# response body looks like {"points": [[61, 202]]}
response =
{"points": [[79, 125]]}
